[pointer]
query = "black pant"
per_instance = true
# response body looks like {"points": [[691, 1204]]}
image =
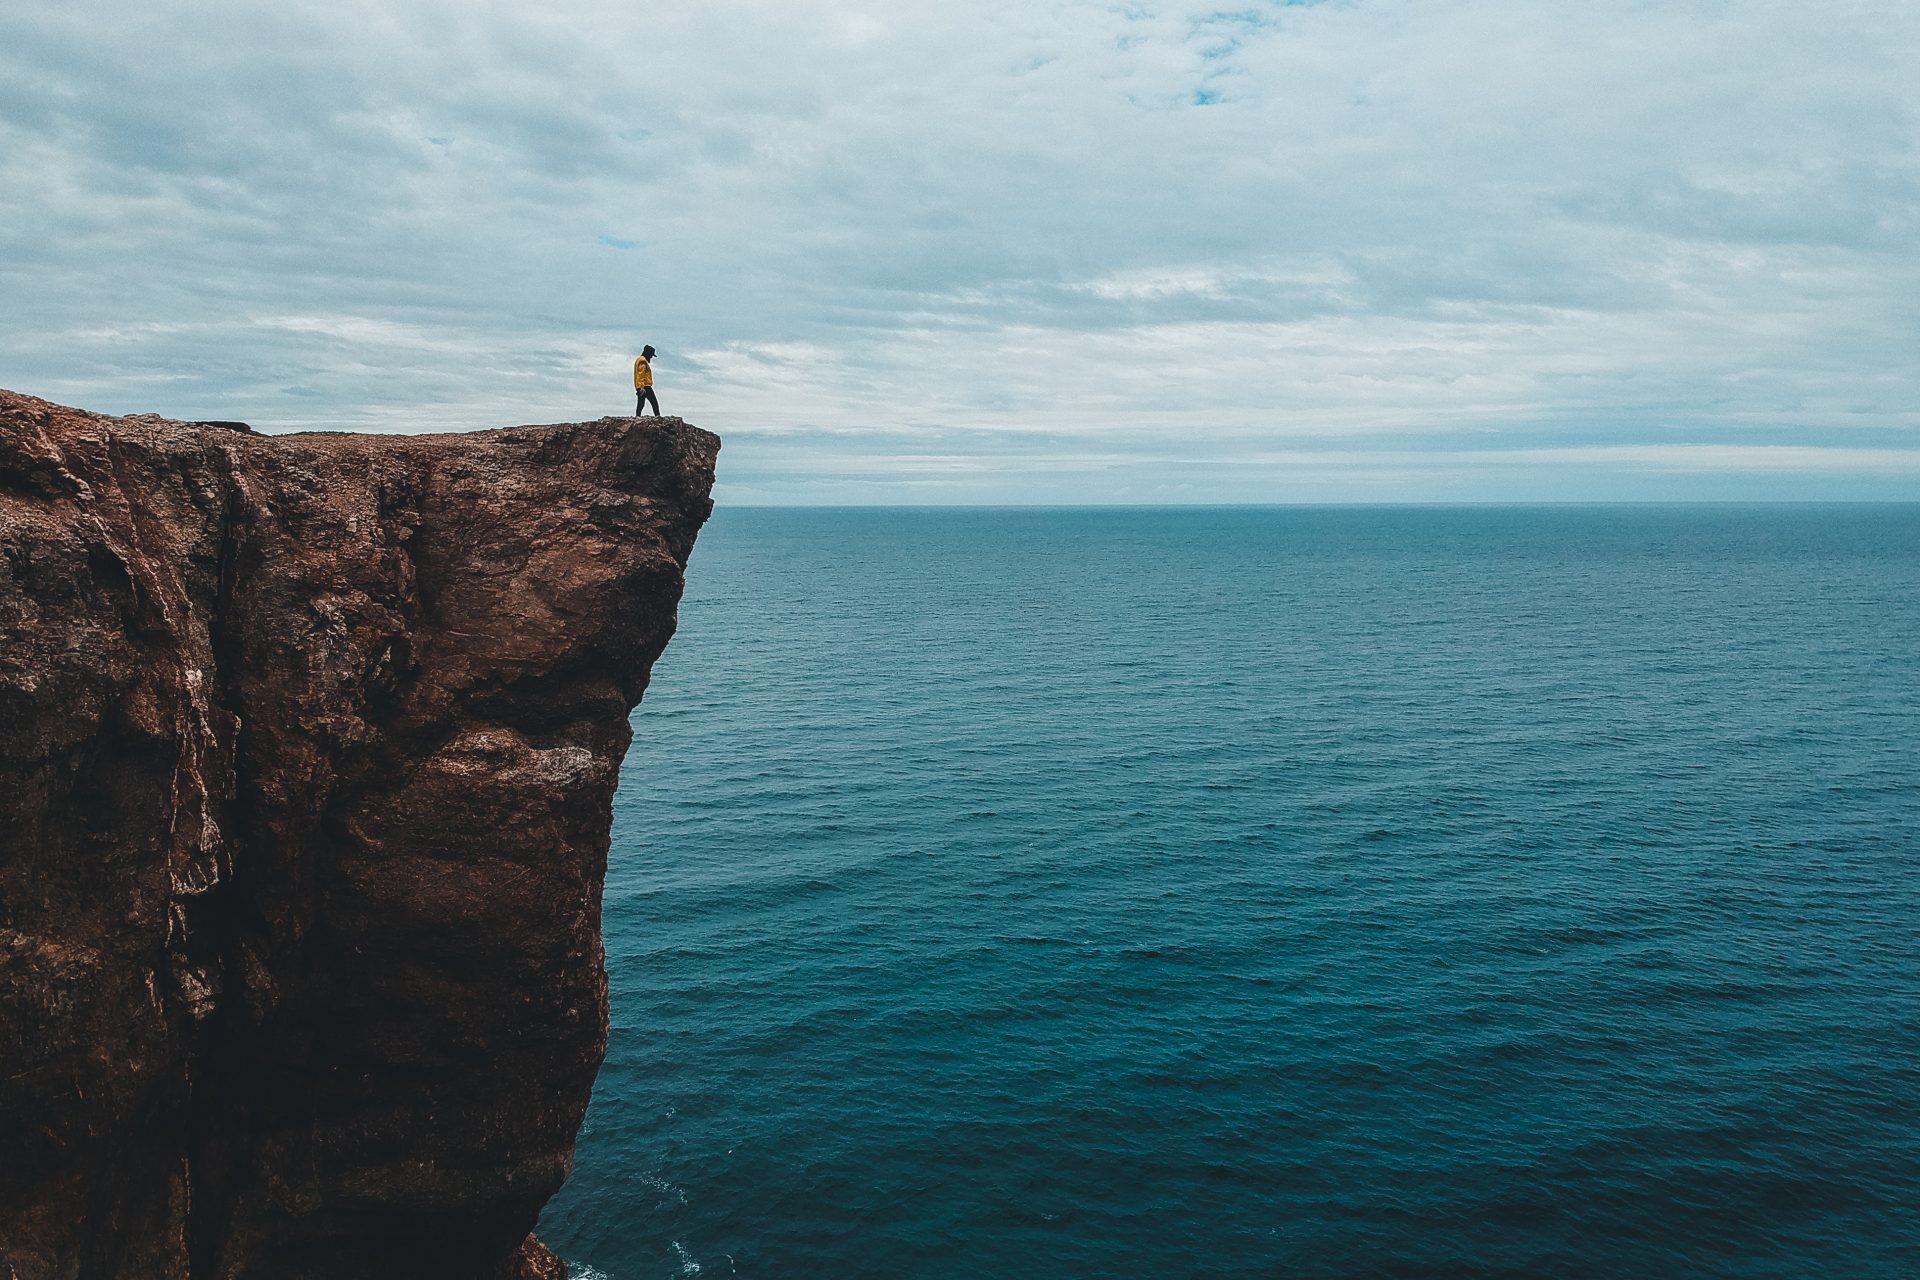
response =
{"points": [[642, 397]]}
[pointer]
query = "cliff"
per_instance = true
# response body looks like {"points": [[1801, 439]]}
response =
{"points": [[307, 754]]}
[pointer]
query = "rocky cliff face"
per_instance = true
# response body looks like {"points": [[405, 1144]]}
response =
{"points": [[307, 754]]}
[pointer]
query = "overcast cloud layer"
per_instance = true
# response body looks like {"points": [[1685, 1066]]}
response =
{"points": [[905, 251]]}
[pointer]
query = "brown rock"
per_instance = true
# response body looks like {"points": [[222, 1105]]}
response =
{"points": [[307, 755], [537, 1262]]}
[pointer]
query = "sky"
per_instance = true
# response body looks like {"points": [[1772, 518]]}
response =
{"points": [[921, 252]]}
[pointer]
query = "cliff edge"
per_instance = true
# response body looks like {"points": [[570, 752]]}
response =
{"points": [[307, 754]]}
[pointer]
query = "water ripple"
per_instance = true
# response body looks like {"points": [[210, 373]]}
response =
{"points": [[1318, 893]]}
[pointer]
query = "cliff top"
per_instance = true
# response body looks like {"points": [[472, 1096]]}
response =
{"points": [[18, 408], [308, 746]]}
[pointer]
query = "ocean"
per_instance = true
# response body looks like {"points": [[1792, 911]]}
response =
{"points": [[1304, 892]]}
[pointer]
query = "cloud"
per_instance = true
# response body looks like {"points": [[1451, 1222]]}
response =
{"points": [[1014, 233]]}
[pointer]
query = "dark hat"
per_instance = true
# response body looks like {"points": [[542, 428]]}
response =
{"points": [[646, 351]]}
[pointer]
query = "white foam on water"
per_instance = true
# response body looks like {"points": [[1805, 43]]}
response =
{"points": [[581, 1271], [667, 1191], [688, 1265]]}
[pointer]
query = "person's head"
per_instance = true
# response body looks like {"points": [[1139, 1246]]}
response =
{"points": [[647, 352]]}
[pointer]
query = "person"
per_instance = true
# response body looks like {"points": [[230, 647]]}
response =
{"points": [[643, 384]]}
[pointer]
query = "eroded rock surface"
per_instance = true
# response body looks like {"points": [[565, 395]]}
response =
{"points": [[307, 753]]}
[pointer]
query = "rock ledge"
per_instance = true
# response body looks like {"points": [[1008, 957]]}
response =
{"points": [[307, 754]]}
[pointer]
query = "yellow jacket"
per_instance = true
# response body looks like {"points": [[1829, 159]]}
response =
{"points": [[642, 373]]}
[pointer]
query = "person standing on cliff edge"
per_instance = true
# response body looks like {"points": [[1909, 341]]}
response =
{"points": [[643, 383]]}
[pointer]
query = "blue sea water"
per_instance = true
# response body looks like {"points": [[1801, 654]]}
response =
{"points": [[1307, 892]]}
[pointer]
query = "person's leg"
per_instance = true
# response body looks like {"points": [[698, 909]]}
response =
{"points": [[647, 397], [639, 400]]}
